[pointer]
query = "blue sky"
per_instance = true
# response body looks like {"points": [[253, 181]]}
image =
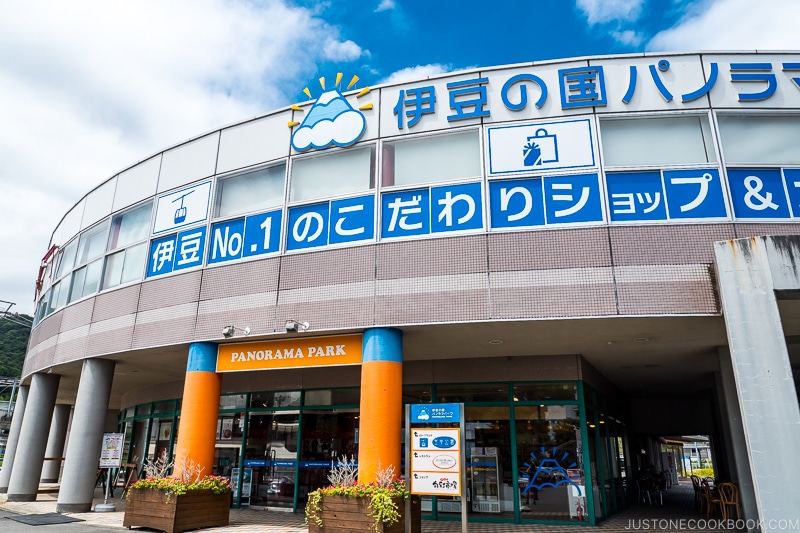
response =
{"points": [[90, 87], [458, 35]]}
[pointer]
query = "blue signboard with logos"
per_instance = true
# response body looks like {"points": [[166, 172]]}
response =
{"points": [[433, 413]]}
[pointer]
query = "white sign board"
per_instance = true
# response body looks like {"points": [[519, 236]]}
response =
{"points": [[436, 484], [541, 146], [436, 462], [111, 452]]}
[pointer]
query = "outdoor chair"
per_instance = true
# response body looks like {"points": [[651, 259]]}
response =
{"points": [[645, 488], [729, 500], [712, 499], [698, 491]]}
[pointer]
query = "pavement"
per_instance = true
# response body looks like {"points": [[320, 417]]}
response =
{"points": [[678, 512]]}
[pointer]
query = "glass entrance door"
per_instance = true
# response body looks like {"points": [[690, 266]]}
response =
{"points": [[271, 454], [327, 436]]}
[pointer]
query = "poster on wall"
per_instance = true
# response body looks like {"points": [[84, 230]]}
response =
{"points": [[227, 428], [111, 450]]}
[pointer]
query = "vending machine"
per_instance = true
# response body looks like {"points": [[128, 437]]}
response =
{"points": [[485, 483]]}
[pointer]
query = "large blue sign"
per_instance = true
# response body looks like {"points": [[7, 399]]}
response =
{"points": [[432, 210], [679, 194], [245, 237], [176, 252], [433, 413], [758, 193]]}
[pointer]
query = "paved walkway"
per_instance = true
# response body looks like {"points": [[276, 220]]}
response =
{"points": [[677, 513]]}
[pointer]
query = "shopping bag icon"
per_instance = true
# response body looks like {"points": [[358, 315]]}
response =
{"points": [[540, 149]]}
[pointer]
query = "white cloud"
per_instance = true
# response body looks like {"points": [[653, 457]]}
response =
{"points": [[385, 5], [602, 11], [90, 87], [628, 37], [420, 72], [734, 25], [341, 51]]}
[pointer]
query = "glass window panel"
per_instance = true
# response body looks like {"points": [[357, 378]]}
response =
{"points": [[252, 191], [416, 394], [134, 263], [333, 397], [58, 296], [657, 141], [275, 399], [92, 243], [130, 227], [432, 158], [233, 401], [472, 393], [545, 391], [144, 409], [66, 259], [334, 174], [164, 407], [113, 273], [549, 462], [760, 139], [78, 279], [92, 282]]}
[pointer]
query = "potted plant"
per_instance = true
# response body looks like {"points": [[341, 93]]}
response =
{"points": [[175, 504], [346, 505]]}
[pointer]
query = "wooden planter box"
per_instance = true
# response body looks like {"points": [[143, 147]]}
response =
{"points": [[340, 514], [197, 508]]}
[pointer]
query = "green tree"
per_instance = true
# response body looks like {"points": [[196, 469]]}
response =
{"points": [[13, 343]]}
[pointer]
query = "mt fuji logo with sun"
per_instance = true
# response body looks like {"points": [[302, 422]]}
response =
{"points": [[331, 121]]}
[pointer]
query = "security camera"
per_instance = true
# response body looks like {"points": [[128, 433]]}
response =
{"points": [[228, 331], [293, 326]]}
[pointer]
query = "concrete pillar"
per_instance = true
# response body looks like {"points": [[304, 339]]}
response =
{"points": [[738, 442], [199, 410], [24, 482], [381, 413], [86, 437], [13, 438], [749, 272], [55, 443]]}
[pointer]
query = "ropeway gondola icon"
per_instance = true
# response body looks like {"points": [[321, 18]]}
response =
{"points": [[180, 213]]}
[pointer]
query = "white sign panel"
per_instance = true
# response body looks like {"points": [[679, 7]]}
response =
{"points": [[111, 451], [182, 208], [434, 439], [435, 483], [541, 146], [435, 461]]}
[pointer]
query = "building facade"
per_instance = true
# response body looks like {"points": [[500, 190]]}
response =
{"points": [[534, 241]]}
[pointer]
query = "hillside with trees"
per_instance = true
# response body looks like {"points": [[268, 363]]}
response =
{"points": [[13, 342]]}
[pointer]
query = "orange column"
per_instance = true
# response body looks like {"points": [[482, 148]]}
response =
{"points": [[380, 427], [199, 410]]}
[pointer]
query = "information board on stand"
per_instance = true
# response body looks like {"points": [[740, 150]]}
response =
{"points": [[435, 457]]}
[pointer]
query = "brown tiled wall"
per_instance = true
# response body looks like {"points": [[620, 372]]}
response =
{"points": [[602, 271]]}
